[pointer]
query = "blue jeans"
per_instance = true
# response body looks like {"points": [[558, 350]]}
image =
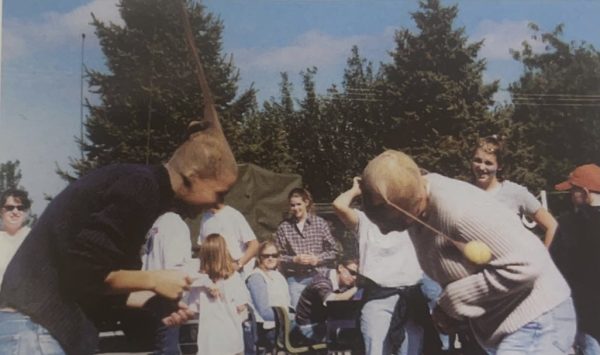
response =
{"points": [[375, 319], [20, 336], [432, 291], [312, 333], [250, 333], [586, 344], [552, 333], [297, 284], [167, 340]]}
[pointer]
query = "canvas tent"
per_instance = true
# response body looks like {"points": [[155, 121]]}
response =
{"points": [[261, 196]]}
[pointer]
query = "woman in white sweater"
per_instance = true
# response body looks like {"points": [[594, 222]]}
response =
{"points": [[14, 210], [516, 303], [267, 285], [268, 288]]}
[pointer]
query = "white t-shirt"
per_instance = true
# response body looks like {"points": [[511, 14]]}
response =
{"points": [[219, 323], [8, 247], [232, 225], [517, 198], [168, 244], [388, 259]]}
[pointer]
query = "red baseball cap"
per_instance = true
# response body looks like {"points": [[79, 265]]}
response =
{"points": [[585, 176]]}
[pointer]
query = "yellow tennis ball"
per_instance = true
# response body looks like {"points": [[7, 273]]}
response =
{"points": [[477, 252]]}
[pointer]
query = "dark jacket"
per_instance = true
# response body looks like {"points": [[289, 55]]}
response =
{"points": [[93, 227], [576, 252]]}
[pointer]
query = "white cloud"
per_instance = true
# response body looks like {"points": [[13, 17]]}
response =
{"points": [[500, 36], [53, 29], [261, 66], [311, 48]]}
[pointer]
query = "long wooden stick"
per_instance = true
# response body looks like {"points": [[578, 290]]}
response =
{"points": [[210, 112]]}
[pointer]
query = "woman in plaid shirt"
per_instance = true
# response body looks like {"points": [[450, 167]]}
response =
{"points": [[306, 244]]}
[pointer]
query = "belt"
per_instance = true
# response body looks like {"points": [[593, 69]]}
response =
{"points": [[301, 272]]}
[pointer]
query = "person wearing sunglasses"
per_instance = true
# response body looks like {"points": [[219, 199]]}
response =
{"points": [[268, 288], [337, 285], [14, 212]]}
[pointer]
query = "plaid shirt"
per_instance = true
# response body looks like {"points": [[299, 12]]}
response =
{"points": [[315, 239]]}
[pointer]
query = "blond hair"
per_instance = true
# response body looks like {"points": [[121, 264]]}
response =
{"points": [[396, 178], [205, 154], [215, 259]]}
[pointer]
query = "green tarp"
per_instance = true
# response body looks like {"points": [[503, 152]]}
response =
{"points": [[261, 196]]}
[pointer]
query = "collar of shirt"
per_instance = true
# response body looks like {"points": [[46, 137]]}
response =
{"points": [[333, 277], [309, 219]]}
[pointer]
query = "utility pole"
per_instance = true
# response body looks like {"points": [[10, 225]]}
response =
{"points": [[1, 5], [81, 98]]}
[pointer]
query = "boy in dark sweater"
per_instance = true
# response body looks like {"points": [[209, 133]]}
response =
{"points": [[86, 245]]}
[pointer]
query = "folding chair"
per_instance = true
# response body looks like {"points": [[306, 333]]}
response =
{"points": [[283, 328]]}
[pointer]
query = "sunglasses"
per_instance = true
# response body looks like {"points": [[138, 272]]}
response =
{"points": [[352, 272], [9, 208], [266, 256]]}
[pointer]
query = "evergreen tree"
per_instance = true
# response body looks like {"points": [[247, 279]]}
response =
{"points": [[149, 94], [305, 138], [333, 136], [557, 107], [435, 92], [353, 120], [264, 139], [10, 176]]}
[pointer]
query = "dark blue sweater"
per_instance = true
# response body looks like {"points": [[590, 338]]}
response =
{"points": [[93, 227], [576, 252]]}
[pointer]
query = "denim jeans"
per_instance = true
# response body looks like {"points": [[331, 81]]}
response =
{"points": [[297, 284], [311, 333], [250, 333], [20, 336], [166, 340], [552, 333], [432, 291], [375, 319], [586, 344]]}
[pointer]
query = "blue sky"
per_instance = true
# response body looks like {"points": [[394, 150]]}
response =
{"points": [[41, 56]]}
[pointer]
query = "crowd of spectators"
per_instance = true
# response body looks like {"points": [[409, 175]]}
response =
{"points": [[415, 286]]}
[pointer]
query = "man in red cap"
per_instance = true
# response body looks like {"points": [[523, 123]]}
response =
{"points": [[575, 250]]}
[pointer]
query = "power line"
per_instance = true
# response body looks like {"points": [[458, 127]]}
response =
{"points": [[556, 104], [558, 95]]}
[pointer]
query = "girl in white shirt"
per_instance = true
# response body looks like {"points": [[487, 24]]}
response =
{"points": [[221, 298]]}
